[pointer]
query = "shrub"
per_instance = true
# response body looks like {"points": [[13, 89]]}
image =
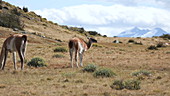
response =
{"points": [[60, 49], [10, 20], [37, 62], [80, 30], [94, 33], [64, 26], [160, 44], [118, 85], [51, 22], [16, 11], [131, 41], [128, 84], [90, 68], [103, 72], [152, 47], [43, 20], [165, 36], [58, 56], [141, 72], [132, 84], [25, 9]]}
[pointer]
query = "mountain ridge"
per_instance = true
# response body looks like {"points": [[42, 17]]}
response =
{"points": [[139, 32]]}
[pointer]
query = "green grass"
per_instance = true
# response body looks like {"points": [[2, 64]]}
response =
{"points": [[104, 72], [118, 85], [58, 56], [60, 49], [37, 62], [128, 84], [141, 72], [90, 68], [97, 45], [132, 84]]}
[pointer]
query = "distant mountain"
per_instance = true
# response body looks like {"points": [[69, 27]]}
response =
{"points": [[137, 32]]}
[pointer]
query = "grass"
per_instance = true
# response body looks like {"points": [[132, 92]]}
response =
{"points": [[104, 72], [60, 49], [37, 62], [69, 75], [141, 72], [58, 56], [128, 84], [118, 85], [90, 68], [58, 79], [97, 45], [152, 47], [132, 84]]}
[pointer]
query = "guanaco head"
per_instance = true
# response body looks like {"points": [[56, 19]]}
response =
{"points": [[92, 40]]}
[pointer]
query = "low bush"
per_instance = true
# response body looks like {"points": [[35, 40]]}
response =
{"points": [[94, 33], [141, 72], [152, 47], [104, 72], [37, 62], [128, 84], [58, 56], [60, 49], [16, 11], [160, 44], [118, 85], [11, 20], [25, 9], [132, 84], [131, 41], [90, 68]]}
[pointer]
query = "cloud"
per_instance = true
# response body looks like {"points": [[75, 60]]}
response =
{"points": [[109, 20], [160, 3]]}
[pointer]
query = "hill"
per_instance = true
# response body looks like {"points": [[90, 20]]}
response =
{"points": [[21, 19], [125, 59]]}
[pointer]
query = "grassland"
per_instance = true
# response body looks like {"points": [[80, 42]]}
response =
{"points": [[58, 79]]}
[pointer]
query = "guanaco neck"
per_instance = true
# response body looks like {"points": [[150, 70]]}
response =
{"points": [[89, 44]]}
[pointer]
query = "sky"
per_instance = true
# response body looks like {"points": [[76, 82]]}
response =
{"points": [[108, 17]]}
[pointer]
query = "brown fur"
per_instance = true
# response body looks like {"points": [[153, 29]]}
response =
{"points": [[78, 46]]}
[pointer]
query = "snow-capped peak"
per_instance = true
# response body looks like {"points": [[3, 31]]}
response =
{"points": [[137, 32]]}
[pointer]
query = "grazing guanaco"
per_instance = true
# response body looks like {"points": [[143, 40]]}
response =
{"points": [[78, 46], [14, 43]]}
